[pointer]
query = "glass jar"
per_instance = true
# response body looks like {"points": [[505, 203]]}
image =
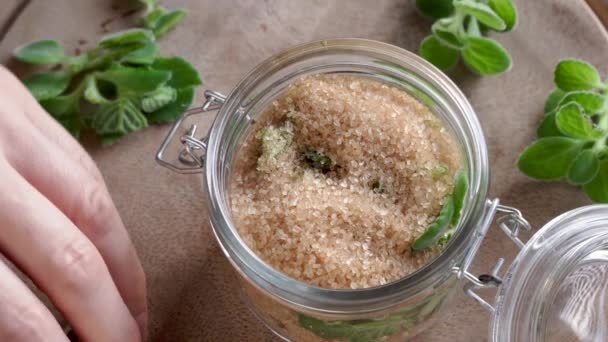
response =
{"points": [[301, 312]]}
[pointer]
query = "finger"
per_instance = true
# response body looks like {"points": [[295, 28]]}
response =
{"points": [[23, 318], [45, 161], [62, 262], [25, 104]]}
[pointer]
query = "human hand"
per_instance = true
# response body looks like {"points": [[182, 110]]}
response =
{"points": [[59, 225]]}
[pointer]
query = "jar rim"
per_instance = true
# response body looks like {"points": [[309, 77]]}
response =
{"points": [[329, 300]]}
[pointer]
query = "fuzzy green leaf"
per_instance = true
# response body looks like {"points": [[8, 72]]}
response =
{"points": [[571, 74], [486, 56], [183, 73], [597, 189], [173, 110], [442, 56], [435, 9], [548, 127], [584, 168], [505, 10], [435, 231], [572, 122], [157, 99], [591, 102], [118, 118], [151, 18], [135, 80], [143, 56], [549, 158], [129, 36], [443, 32], [150, 4], [92, 93], [66, 110], [40, 52], [483, 13], [46, 85], [168, 21], [553, 100]]}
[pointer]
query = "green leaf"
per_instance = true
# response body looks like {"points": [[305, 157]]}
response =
{"points": [[46, 85], [150, 4], [442, 30], [461, 187], [77, 63], [92, 93], [129, 36], [435, 9], [571, 121], [135, 80], [151, 18], [571, 74], [118, 118], [483, 13], [591, 102], [440, 55], [597, 189], [144, 55], [584, 168], [158, 98], [40, 52], [486, 56], [174, 109], [435, 231], [554, 99], [548, 127], [183, 73], [363, 330], [505, 10], [109, 139], [549, 158], [65, 109], [168, 21]]}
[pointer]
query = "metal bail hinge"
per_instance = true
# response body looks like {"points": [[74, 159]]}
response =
{"points": [[512, 222], [191, 157]]}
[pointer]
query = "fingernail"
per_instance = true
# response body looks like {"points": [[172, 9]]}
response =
{"points": [[142, 322]]}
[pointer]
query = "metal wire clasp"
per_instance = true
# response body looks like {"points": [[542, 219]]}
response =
{"points": [[191, 158], [511, 222]]}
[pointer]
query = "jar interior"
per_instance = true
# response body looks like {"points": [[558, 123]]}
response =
{"points": [[347, 57]]}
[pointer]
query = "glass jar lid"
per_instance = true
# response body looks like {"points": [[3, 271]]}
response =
{"points": [[557, 287]]}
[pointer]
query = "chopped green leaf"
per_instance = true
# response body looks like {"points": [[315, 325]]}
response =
{"points": [[436, 230], [168, 21], [439, 170], [572, 122], [549, 158], [584, 168], [435, 9], [183, 73], [505, 10], [442, 56], [40, 52], [548, 127], [365, 330], [486, 56], [572, 74], [46, 85], [144, 55], [591, 102], [127, 37], [597, 189], [135, 80], [378, 187], [483, 13], [174, 109], [554, 99], [318, 160], [461, 186], [158, 98]]}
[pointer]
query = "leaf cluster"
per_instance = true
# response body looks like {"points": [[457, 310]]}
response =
{"points": [[459, 30], [573, 135], [117, 87]]}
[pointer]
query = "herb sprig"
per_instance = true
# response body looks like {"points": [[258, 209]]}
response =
{"points": [[118, 87], [573, 135], [459, 30]]}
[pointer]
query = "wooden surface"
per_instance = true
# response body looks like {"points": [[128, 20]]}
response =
{"points": [[192, 292]]}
